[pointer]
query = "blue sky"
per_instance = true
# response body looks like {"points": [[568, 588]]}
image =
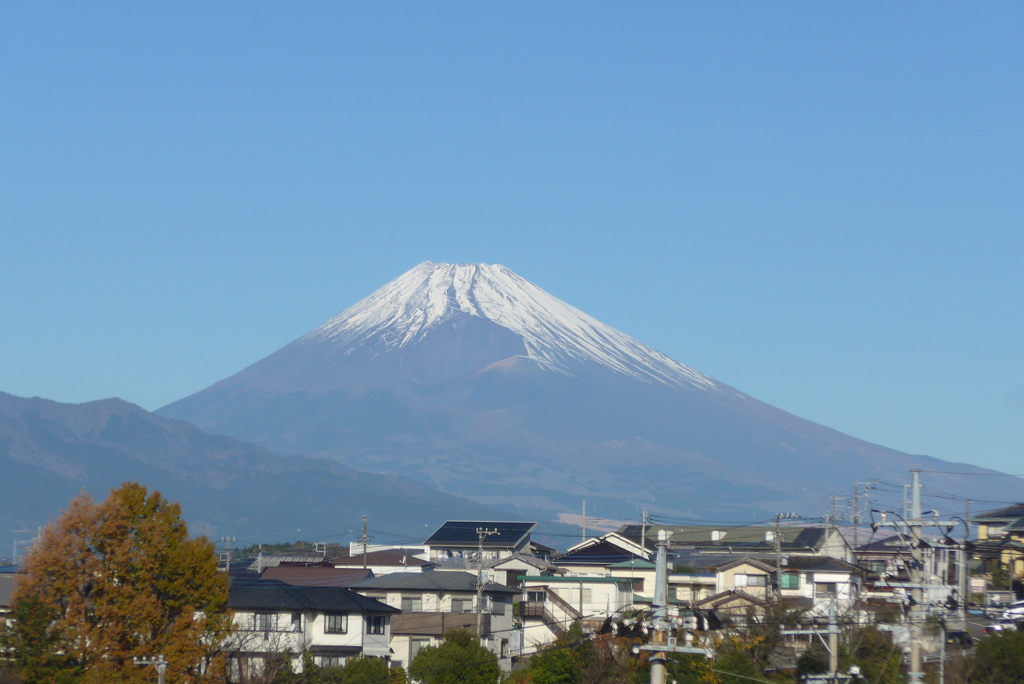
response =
{"points": [[820, 204]]}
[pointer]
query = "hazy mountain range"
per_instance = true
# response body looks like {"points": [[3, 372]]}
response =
{"points": [[50, 451], [475, 380]]}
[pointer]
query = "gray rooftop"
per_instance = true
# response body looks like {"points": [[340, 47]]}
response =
{"points": [[275, 595], [439, 580]]}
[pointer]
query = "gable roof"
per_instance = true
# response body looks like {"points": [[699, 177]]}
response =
{"points": [[316, 575], [525, 559], [438, 581], [623, 542], [276, 595], [1007, 514], [601, 552], [463, 533], [760, 564]]}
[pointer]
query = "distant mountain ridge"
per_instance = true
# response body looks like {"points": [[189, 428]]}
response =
{"points": [[49, 451], [474, 379]]}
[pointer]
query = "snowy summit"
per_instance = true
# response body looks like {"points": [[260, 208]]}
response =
{"points": [[556, 336]]}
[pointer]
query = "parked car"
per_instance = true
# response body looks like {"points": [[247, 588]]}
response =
{"points": [[959, 639], [1015, 611], [1000, 625]]}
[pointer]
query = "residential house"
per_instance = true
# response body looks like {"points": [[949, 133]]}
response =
{"points": [[457, 543], [553, 602], [1001, 538], [809, 583], [593, 556], [275, 620], [433, 603], [690, 587], [510, 571]]}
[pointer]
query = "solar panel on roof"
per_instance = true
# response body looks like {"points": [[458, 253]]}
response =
{"points": [[464, 533]]}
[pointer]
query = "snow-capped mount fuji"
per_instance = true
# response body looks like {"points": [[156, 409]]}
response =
{"points": [[475, 379], [554, 335]]}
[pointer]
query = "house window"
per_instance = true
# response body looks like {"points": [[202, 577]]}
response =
{"points": [[375, 624], [824, 590], [336, 624], [296, 622], [750, 580], [264, 622], [498, 605], [790, 580], [462, 605], [412, 604], [877, 565], [536, 596], [329, 661], [415, 645], [504, 649]]}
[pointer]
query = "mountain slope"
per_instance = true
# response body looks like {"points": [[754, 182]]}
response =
{"points": [[475, 379], [49, 451]]}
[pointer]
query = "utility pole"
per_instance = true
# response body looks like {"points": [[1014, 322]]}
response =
{"points": [[481, 534], [584, 521], [856, 519], [833, 639], [906, 501], [366, 540], [661, 644], [963, 586], [161, 666], [942, 654], [916, 675], [660, 606], [856, 514], [913, 525], [643, 531], [777, 542], [227, 555]]}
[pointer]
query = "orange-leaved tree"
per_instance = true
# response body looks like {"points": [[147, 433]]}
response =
{"points": [[122, 579]]}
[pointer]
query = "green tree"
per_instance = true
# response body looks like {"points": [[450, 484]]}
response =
{"points": [[122, 579], [1000, 659], [355, 671], [460, 659], [564, 662], [874, 651], [35, 645], [691, 669], [1000, 576], [815, 660]]}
